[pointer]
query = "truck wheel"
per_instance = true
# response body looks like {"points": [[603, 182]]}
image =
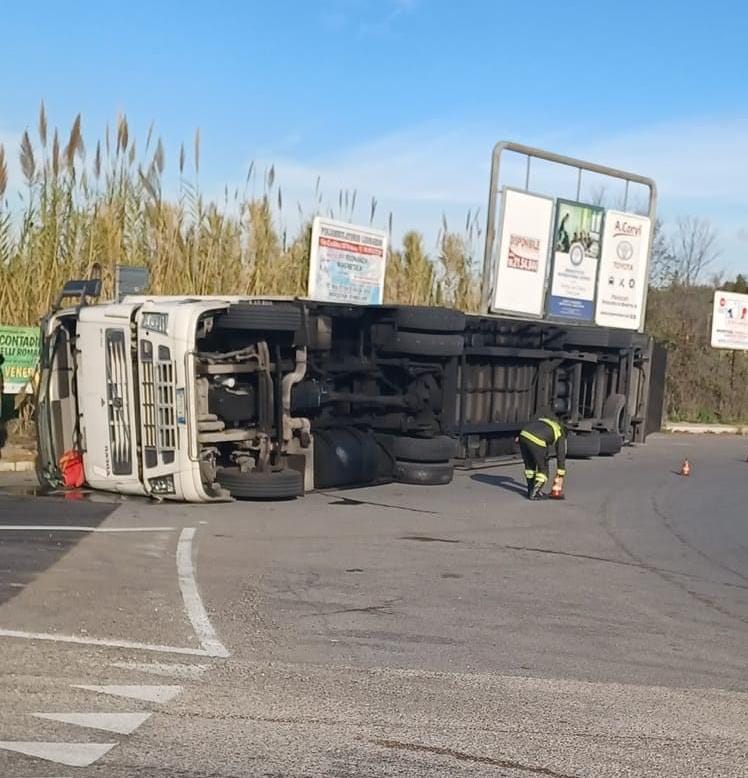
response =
{"points": [[252, 485], [424, 319], [424, 474], [277, 317], [424, 345], [610, 444], [439, 449], [583, 445]]}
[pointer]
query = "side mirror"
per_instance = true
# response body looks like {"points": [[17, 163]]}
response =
{"points": [[90, 287]]}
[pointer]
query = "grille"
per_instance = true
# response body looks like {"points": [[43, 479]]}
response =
{"points": [[158, 410], [118, 403], [167, 421]]}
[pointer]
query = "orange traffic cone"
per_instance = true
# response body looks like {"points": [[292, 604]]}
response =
{"points": [[685, 468], [557, 488]]}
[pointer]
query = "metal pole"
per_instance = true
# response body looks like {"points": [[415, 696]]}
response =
{"points": [[527, 174], [490, 228], [579, 184]]}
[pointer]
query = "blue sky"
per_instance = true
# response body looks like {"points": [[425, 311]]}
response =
{"points": [[404, 99]]}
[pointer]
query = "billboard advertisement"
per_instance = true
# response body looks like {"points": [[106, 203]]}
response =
{"points": [[347, 263], [622, 279], [521, 265], [730, 321], [19, 347], [576, 253]]}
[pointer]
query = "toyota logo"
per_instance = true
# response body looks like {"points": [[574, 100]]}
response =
{"points": [[576, 254], [624, 250]]}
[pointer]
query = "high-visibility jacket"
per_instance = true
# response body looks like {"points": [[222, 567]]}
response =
{"points": [[549, 434]]}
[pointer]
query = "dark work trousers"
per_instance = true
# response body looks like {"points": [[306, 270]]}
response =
{"points": [[535, 458]]}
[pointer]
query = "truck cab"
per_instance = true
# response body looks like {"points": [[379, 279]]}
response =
{"points": [[157, 403]]}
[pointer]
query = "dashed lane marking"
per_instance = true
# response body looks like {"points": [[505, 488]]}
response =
{"points": [[159, 694], [121, 723], [70, 754]]}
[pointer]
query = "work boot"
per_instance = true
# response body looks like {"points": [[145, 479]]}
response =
{"points": [[536, 492], [530, 484]]}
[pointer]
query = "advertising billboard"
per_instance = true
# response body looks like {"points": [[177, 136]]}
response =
{"points": [[347, 263], [19, 347], [576, 254], [622, 280], [730, 321], [521, 264]]}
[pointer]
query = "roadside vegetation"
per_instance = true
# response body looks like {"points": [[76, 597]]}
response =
{"points": [[85, 209]]}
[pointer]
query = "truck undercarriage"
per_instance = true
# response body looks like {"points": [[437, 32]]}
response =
{"points": [[212, 398]]}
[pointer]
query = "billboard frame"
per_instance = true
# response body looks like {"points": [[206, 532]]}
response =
{"points": [[581, 166]]}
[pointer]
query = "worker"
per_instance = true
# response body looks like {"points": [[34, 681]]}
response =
{"points": [[538, 442]]}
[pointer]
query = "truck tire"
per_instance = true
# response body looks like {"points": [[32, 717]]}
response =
{"points": [[424, 319], [610, 444], [348, 456], [277, 317], [424, 345], [252, 485], [423, 473], [583, 445], [439, 449]]}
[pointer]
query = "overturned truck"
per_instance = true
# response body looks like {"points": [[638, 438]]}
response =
{"points": [[212, 398]]}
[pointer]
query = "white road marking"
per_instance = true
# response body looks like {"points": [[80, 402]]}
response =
{"points": [[71, 754], [193, 603], [85, 641], [145, 693], [190, 672], [121, 723], [61, 528]]}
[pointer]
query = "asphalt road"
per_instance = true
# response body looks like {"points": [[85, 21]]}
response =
{"points": [[389, 631]]}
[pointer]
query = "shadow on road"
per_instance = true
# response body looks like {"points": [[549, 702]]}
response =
{"points": [[24, 554], [502, 481]]}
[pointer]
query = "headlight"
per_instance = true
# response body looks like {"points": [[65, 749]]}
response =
{"points": [[157, 322], [164, 484]]}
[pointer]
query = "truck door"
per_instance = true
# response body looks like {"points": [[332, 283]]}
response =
{"points": [[106, 394]]}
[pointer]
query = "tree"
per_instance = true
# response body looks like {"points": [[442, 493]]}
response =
{"points": [[682, 259], [662, 260], [694, 250]]}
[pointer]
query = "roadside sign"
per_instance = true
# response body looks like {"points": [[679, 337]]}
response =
{"points": [[347, 263], [730, 321], [576, 254], [522, 261], [622, 277], [19, 347]]}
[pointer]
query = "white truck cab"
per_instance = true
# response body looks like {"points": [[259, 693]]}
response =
{"points": [[157, 404]]}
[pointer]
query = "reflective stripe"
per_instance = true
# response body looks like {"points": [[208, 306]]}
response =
{"points": [[561, 472], [533, 438], [529, 473], [540, 478], [555, 426]]}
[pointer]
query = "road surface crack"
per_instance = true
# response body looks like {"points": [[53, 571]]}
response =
{"points": [[473, 758]]}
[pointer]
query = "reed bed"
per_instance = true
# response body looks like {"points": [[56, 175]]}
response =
{"points": [[85, 209]]}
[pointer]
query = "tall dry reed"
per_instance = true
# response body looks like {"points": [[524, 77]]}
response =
{"points": [[87, 208]]}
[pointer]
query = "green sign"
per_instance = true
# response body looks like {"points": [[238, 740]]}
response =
{"points": [[19, 347]]}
